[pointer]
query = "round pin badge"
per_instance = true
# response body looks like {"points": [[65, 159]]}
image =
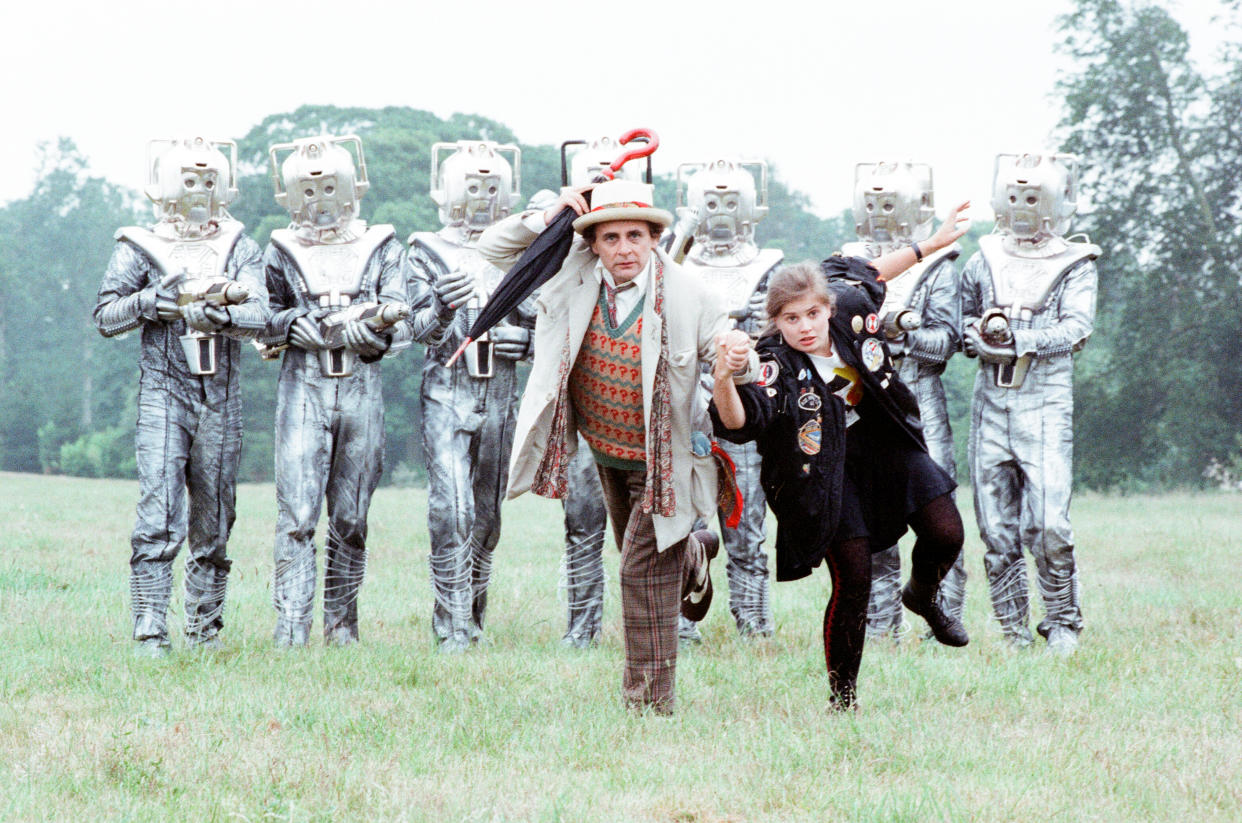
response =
{"points": [[872, 354], [857, 324], [873, 323], [768, 370]]}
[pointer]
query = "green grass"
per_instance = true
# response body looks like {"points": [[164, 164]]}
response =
{"points": [[1142, 724]]}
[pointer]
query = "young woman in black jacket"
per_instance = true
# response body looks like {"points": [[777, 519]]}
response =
{"points": [[845, 469]]}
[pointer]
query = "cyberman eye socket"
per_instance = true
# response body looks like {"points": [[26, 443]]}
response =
{"points": [[888, 208], [491, 191], [1013, 199], [329, 189], [209, 184], [870, 208], [731, 205], [473, 189], [1031, 199], [189, 182], [309, 192]]}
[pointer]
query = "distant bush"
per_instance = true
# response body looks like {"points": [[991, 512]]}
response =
{"points": [[106, 453]]}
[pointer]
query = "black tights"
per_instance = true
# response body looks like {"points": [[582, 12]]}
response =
{"points": [[938, 540]]}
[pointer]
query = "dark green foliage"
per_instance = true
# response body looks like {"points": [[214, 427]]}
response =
{"points": [[1158, 394]]}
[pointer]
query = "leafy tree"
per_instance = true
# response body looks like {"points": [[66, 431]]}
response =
{"points": [[1157, 397], [54, 367]]}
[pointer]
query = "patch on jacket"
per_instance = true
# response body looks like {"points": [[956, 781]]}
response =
{"points": [[809, 401], [810, 435], [768, 370], [872, 353]]}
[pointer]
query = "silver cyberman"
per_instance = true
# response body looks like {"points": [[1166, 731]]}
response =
{"points": [[338, 301], [468, 410], [1028, 303], [193, 284], [894, 206], [721, 202]]}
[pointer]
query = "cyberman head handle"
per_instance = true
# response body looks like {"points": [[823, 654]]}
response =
{"points": [[727, 199], [894, 202], [1034, 195], [319, 182], [475, 185], [190, 180]]}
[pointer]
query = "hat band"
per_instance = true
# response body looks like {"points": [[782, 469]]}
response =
{"points": [[625, 205]]}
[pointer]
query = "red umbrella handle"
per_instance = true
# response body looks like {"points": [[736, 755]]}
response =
{"points": [[641, 150]]}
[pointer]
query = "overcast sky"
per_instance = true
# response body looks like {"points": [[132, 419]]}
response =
{"points": [[811, 91]]}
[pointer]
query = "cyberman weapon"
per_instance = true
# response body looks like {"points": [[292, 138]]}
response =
{"points": [[201, 347], [336, 360], [897, 323]]}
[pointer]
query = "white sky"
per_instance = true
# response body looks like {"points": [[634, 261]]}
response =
{"points": [[811, 87]]}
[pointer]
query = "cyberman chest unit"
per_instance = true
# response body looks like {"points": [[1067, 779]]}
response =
{"points": [[336, 280], [1022, 287], [198, 270], [735, 285]]}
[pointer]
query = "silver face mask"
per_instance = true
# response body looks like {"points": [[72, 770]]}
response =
{"points": [[318, 181], [894, 202], [475, 186], [190, 180], [1035, 195], [725, 194]]}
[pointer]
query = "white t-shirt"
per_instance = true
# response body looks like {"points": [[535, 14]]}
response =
{"points": [[842, 380]]}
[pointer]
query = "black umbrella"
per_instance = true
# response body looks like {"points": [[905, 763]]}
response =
{"points": [[544, 257]]}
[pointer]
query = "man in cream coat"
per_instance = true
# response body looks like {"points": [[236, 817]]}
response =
{"points": [[620, 335]]}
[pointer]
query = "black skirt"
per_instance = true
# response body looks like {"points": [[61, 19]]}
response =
{"points": [[887, 479]]}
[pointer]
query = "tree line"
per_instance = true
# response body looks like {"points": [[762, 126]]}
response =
{"points": [[1158, 394]]}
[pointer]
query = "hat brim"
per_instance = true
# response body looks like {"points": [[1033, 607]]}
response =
{"points": [[645, 214]]}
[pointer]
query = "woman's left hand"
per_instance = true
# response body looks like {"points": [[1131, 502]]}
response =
{"points": [[953, 227]]}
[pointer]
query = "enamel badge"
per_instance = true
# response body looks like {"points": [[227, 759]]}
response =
{"points": [[809, 401], [873, 323], [872, 354], [767, 372], [857, 324], [810, 435]]}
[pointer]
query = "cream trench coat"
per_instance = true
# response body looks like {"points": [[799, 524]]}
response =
{"points": [[565, 305]]}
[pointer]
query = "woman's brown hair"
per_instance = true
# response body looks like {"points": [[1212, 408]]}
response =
{"points": [[794, 282]]}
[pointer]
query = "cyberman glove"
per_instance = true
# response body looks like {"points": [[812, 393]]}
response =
{"points": [[304, 333], [207, 319], [510, 342], [369, 345], [451, 290], [975, 346]]}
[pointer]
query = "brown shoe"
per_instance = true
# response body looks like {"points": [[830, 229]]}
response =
{"points": [[698, 600]]}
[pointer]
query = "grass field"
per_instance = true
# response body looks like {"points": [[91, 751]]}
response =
{"points": [[1143, 724]]}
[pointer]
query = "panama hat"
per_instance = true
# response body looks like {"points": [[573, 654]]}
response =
{"points": [[622, 200]]}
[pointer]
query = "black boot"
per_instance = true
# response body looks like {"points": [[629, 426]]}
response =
{"points": [[920, 598]]}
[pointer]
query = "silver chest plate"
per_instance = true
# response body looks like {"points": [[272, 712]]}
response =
{"points": [[332, 274], [204, 259], [1023, 284], [735, 284], [899, 291]]}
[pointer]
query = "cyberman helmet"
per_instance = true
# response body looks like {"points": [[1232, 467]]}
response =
{"points": [[580, 167], [727, 198], [190, 179], [894, 202], [1034, 195], [475, 185], [318, 182]]}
